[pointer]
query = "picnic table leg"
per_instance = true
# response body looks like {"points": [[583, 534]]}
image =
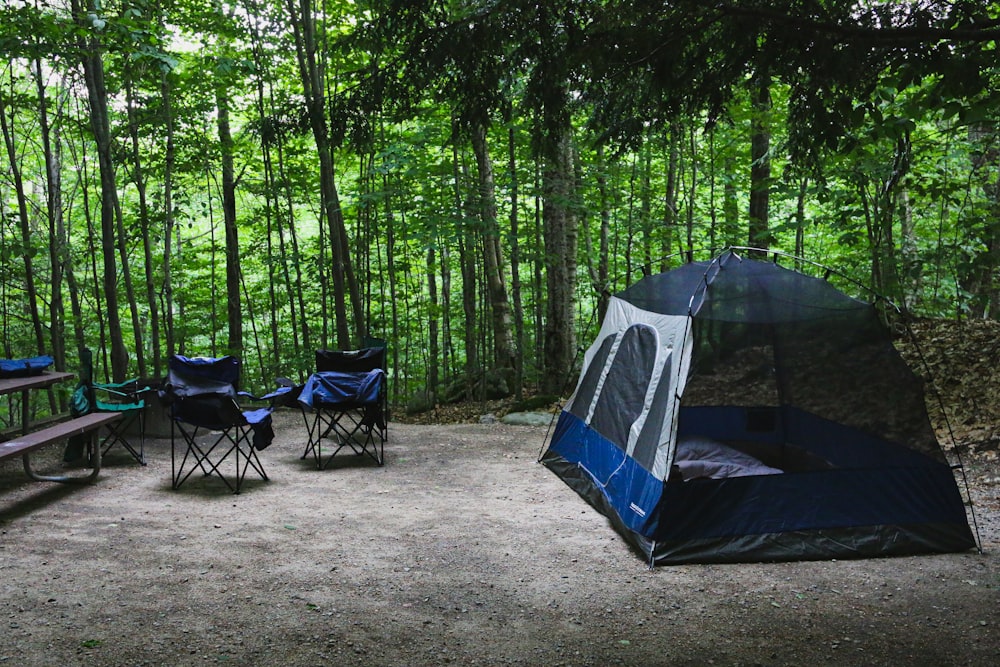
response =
{"points": [[95, 459], [25, 412]]}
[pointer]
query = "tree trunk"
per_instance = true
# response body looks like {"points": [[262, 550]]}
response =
{"points": [[760, 165], [542, 365], [448, 347], [692, 195], [515, 264], [597, 262], [168, 218], [139, 178], [800, 218], [467, 266], [312, 77], [880, 213], [670, 194], [234, 315], [58, 253], [503, 342], [560, 237], [92, 253], [433, 330], [646, 207], [730, 202], [31, 293], [93, 74]]}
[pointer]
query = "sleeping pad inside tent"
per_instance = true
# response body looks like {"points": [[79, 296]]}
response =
{"points": [[734, 410]]}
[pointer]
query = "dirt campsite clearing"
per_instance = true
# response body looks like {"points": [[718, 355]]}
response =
{"points": [[460, 550]]}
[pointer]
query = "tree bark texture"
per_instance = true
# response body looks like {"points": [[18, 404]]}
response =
{"points": [[560, 236]]}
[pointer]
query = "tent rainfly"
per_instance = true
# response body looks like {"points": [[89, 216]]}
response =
{"points": [[737, 411]]}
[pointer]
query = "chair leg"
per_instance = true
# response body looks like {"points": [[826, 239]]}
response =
{"points": [[116, 435], [345, 428], [237, 443]]}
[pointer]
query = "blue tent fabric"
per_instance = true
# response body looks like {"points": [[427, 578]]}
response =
{"points": [[12, 368]]}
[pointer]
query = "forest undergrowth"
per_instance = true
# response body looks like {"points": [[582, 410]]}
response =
{"points": [[958, 360]]}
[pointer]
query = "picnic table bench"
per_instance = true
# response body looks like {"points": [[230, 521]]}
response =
{"points": [[31, 440]]}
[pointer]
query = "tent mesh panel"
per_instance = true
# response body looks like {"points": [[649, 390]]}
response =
{"points": [[769, 336]]}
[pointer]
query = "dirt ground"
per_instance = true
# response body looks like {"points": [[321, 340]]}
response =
{"points": [[460, 550]]}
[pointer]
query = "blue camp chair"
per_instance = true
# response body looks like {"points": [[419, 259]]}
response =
{"points": [[348, 400], [207, 424]]}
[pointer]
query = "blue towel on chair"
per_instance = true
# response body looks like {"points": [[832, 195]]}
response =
{"points": [[332, 388]]}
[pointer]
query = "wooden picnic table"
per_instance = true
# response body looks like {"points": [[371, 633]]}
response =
{"points": [[24, 385], [30, 440]]}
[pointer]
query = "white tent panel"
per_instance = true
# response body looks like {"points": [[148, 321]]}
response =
{"points": [[667, 361]]}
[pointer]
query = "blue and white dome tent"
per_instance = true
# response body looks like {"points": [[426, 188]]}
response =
{"points": [[734, 410]]}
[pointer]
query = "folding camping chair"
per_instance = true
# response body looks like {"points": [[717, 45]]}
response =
{"points": [[208, 425], [126, 398], [349, 402], [123, 397]]}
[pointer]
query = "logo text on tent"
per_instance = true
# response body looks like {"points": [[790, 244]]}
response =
{"points": [[638, 510]]}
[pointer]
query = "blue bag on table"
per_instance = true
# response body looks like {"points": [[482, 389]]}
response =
{"points": [[19, 368]]}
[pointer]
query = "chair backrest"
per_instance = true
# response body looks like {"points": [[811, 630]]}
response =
{"points": [[351, 361], [196, 376], [83, 400], [202, 391]]}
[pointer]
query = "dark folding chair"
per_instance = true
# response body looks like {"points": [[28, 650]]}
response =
{"points": [[349, 402], [207, 424]]}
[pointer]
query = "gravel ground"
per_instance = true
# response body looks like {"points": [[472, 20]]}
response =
{"points": [[460, 550]]}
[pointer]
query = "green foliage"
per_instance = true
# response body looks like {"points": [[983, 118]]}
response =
{"points": [[661, 86]]}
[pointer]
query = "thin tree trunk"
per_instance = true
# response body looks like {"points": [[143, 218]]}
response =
{"points": [[760, 165], [880, 213], [30, 291], [312, 78], [274, 228], [133, 305], [800, 218], [92, 252], [433, 329], [139, 178], [213, 264], [496, 289], [670, 194], [542, 365], [93, 73], [57, 233], [646, 207], [467, 267], [448, 352], [730, 203], [168, 220], [692, 194], [234, 314], [515, 263], [597, 263], [72, 285], [296, 293]]}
